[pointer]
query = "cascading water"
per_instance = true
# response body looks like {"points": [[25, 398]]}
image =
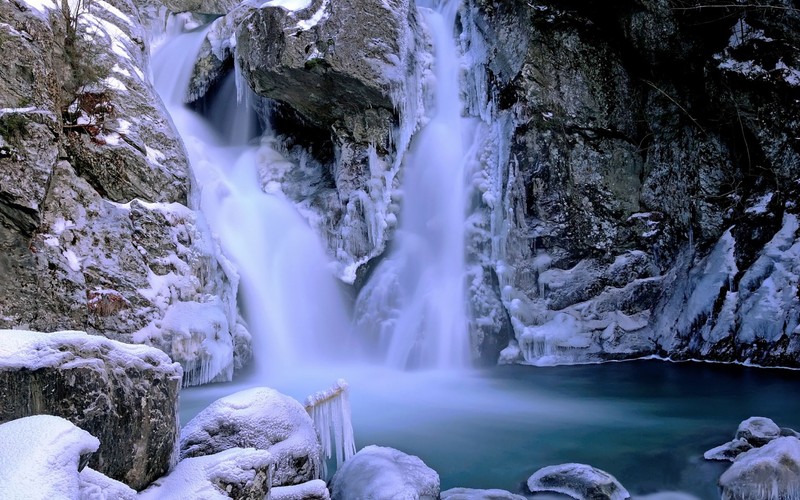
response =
{"points": [[290, 297], [415, 300]]}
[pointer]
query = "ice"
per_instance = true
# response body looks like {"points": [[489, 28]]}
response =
{"points": [[40, 457], [771, 472], [330, 411], [206, 477]]}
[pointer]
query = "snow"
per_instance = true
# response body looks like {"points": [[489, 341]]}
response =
{"points": [[204, 477], [771, 472], [96, 486], [112, 9], [391, 472], [34, 350], [41, 5], [114, 84], [330, 411], [760, 205], [472, 494], [577, 481], [264, 419], [758, 430], [39, 458], [728, 451], [292, 5], [320, 15], [316, 490]]}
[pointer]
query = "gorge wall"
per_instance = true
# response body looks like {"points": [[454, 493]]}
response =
{"points": [[634, 191]]}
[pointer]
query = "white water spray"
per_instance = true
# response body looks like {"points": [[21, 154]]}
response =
{"points": [[290, 297], [415, 301]]}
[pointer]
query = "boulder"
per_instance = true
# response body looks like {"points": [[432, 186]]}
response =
{"points": [[472, 494], [758, 431], [578, 481], [96, 486], [234, 473], [382, 473], [771, 472], [260, 418], [41, 456], [125, 395], [312, 490], [728, 451]]}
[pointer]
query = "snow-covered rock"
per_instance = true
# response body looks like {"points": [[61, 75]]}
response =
{"points": [[771, 472], [728, 451], [125, 395], [312, 490], [40, 458], [473, 494], [234, 473], [381, 473], [104, 241], [578, 481], [758, 431], [260, 418], [96, 486]]}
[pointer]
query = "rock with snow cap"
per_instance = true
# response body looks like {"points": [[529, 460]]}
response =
{"points": [[382, 473], [578, 481], [41, 456], [260, 418], [771, 472], [238, 473], [758, 431], [125, 395], [311, 490], [473, 494]]}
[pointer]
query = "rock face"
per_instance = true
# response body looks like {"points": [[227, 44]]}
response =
{"points": [[40, 457], [125, 395], [378, 473], [95, 231], [771, 472], [640, 179], [346, 77], [260, 418], [577, 481], [234, 473]]}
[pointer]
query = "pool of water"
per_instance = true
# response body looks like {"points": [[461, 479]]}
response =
{"points": [[646, 422]]}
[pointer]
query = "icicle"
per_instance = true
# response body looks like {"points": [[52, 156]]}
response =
{"points": [[330, 411]]}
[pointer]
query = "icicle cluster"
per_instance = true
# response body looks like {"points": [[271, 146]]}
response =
{"points": [[330, 411]]}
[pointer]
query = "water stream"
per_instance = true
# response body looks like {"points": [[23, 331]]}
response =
{"points": [[645, 422]]}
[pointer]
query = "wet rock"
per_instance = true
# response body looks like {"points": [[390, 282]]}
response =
{"points": [[125, 395], [771, 472], [577, 481], [379, 473], [239, 473], [41, 456], [260, 418]]}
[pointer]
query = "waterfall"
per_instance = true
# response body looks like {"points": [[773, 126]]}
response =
{"points": [[287, 291], [414, 304]]}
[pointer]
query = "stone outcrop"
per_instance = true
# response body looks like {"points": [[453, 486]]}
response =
{"points": [[95, 231], [237, 473], [260, 418], [640, 177], [577, 481], [124, 395], [378, 473]]}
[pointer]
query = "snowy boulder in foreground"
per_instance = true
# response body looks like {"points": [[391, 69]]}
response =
{"points": [[40, 457], [96, 486], [471, 494], [125, 395], [577, 481], [378, 473], [233, 473], [260, 418], [771, 472], [312, 490], [758, 431]]}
